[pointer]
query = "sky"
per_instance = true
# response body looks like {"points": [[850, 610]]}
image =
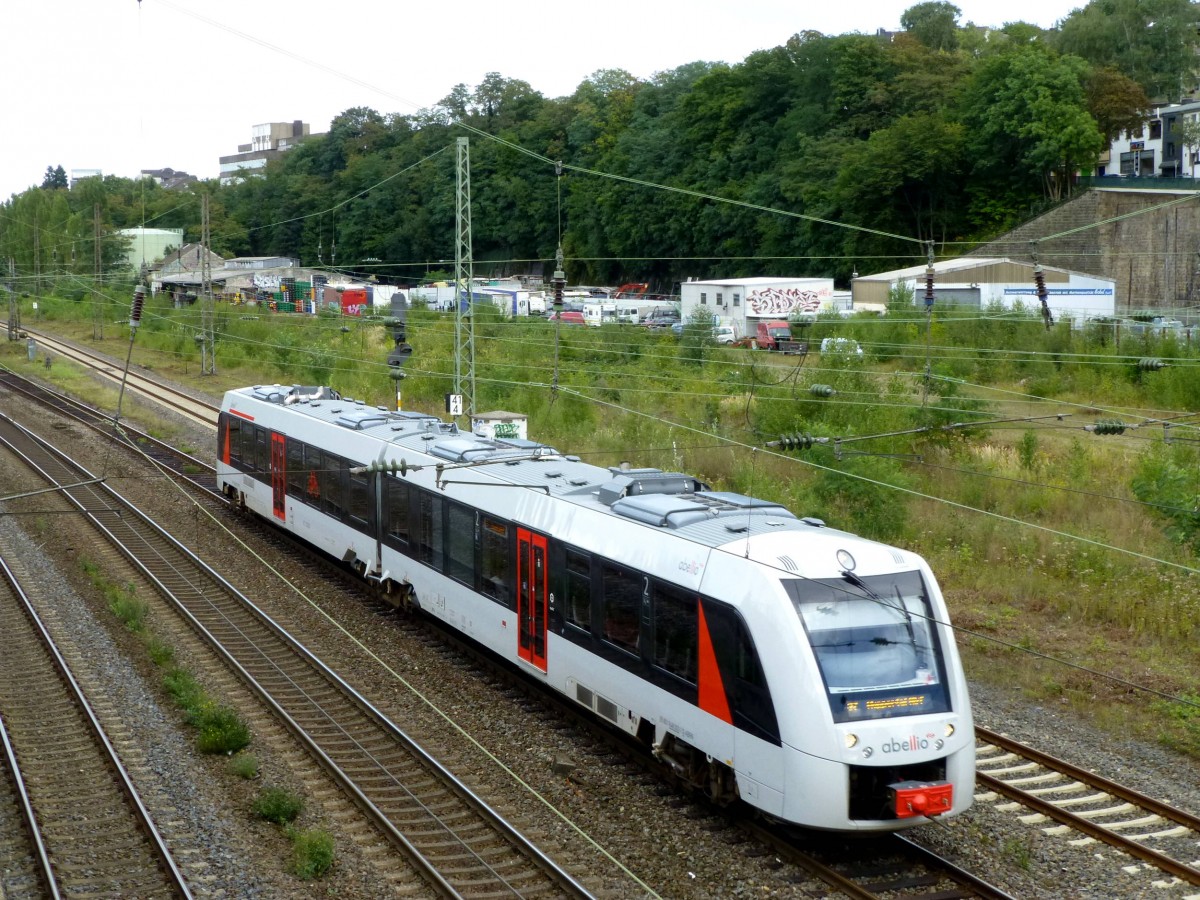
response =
{"points": [[126, 85]]}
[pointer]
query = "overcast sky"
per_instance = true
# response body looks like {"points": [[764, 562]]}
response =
{"points": [[123, 85]]}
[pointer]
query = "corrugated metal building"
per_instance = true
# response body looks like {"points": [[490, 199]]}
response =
{"points": [[982, 282]]}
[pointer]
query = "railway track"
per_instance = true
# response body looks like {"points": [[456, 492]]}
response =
{"points": [[446, 833], [1086, 808], [87, 832], [136, 382], [1162, 837]]}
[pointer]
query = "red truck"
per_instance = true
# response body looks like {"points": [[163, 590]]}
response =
{"points": [[776, 334]]}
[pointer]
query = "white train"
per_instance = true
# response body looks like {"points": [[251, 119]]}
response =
{"points": [[768, 658]]}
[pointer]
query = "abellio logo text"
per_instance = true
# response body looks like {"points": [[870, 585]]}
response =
{"points": [[912, 742]]}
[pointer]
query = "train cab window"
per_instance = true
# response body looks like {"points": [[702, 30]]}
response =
{"points": [[233, 438], [496, 561], [397, 512], [460, 543], [297, 477], [622, 592], [577, 608], [675, 631], [875, 644], [429, 533]]}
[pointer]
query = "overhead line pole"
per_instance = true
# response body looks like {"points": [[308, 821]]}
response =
{"points": [[464, 321]]}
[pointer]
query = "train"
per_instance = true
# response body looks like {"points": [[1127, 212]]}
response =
{"points": [[766, 658]]}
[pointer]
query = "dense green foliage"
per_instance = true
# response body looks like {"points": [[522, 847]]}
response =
{"points": [[823, 155]]}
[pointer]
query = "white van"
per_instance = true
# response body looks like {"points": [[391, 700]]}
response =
{"points": [[840, 345]]}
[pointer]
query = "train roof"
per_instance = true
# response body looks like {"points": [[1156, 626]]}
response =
{"points": [[670, 501]]}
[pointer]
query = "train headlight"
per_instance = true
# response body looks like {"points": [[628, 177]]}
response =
{"points": [[949, 729], [846, 561], [850, 739]]}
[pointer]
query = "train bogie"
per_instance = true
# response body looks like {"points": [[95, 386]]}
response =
{"points": [[765, 658]]}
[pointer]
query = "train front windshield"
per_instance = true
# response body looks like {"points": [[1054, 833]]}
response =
{"points": [[875, 643]]}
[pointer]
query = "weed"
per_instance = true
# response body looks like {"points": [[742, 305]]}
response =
{"points": [[182, 685], [278, 805], [221, 729], [312, 853], [128, 608], [244, 765], [161, 653]]}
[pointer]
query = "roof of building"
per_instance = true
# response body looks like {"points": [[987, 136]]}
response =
{"points": [[962, 264]]}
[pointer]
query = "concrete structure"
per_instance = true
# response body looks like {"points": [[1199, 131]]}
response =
{"points": [[267, 142], [169, 178], [149, 245], [744, 302], [981, 282], [78, 175]]}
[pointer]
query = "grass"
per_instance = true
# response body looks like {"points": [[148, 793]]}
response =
{"points": [[312, 853], [1026, 551], [244, 765], [278, 806]]}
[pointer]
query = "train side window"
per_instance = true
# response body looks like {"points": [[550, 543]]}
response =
{"points": [[359, 498], [496, 558], [622, 593], [262, 450], [577, 609], [296, 475], [430, 530], [314, 475], [675, 631], [745, 683], [460, 543], [333, 495], [397, 512]]}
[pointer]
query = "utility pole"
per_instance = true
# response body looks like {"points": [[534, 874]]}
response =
{"points": [[14, 305], [97, 265], [464, 344], [208, 335]]}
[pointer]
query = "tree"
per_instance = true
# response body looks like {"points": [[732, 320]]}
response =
{"points": [[1154, 42], [1116, 102], [1189, 137], [55, 178], [933, 23]]}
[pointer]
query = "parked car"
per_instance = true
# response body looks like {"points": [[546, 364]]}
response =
{"points": [[724, 334], [660, 319]]}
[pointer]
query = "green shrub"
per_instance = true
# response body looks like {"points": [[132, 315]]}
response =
{"points": [[244, 765], [278, 805], [187, 692], [312, 853], [161, 653], [221, 729]]}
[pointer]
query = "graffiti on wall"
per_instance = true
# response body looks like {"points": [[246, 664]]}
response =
{"points": [[783, 302]]}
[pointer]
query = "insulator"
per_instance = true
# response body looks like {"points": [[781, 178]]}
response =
{"points": [[796, 441], [822, 390], [135, 311], [1108, 426], [929, 287], [1151, 364]]}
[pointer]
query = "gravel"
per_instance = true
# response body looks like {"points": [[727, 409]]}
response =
{"points": [[633, 827]]}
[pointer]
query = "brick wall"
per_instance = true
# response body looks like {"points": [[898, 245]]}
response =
{"points": [[1148, 242]]}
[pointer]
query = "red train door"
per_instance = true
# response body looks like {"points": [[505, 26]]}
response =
{"points": [[278, 475], [532, 592]]}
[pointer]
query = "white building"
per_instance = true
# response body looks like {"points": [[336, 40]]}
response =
{"points": [[743, 302], [981, 282], [267, 142], [149, 245]]}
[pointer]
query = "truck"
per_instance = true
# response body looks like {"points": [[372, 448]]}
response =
{"points": [[776, 334]]}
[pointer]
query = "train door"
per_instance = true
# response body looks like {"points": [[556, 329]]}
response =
{"points": [[279, 475], [533, 583]]}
